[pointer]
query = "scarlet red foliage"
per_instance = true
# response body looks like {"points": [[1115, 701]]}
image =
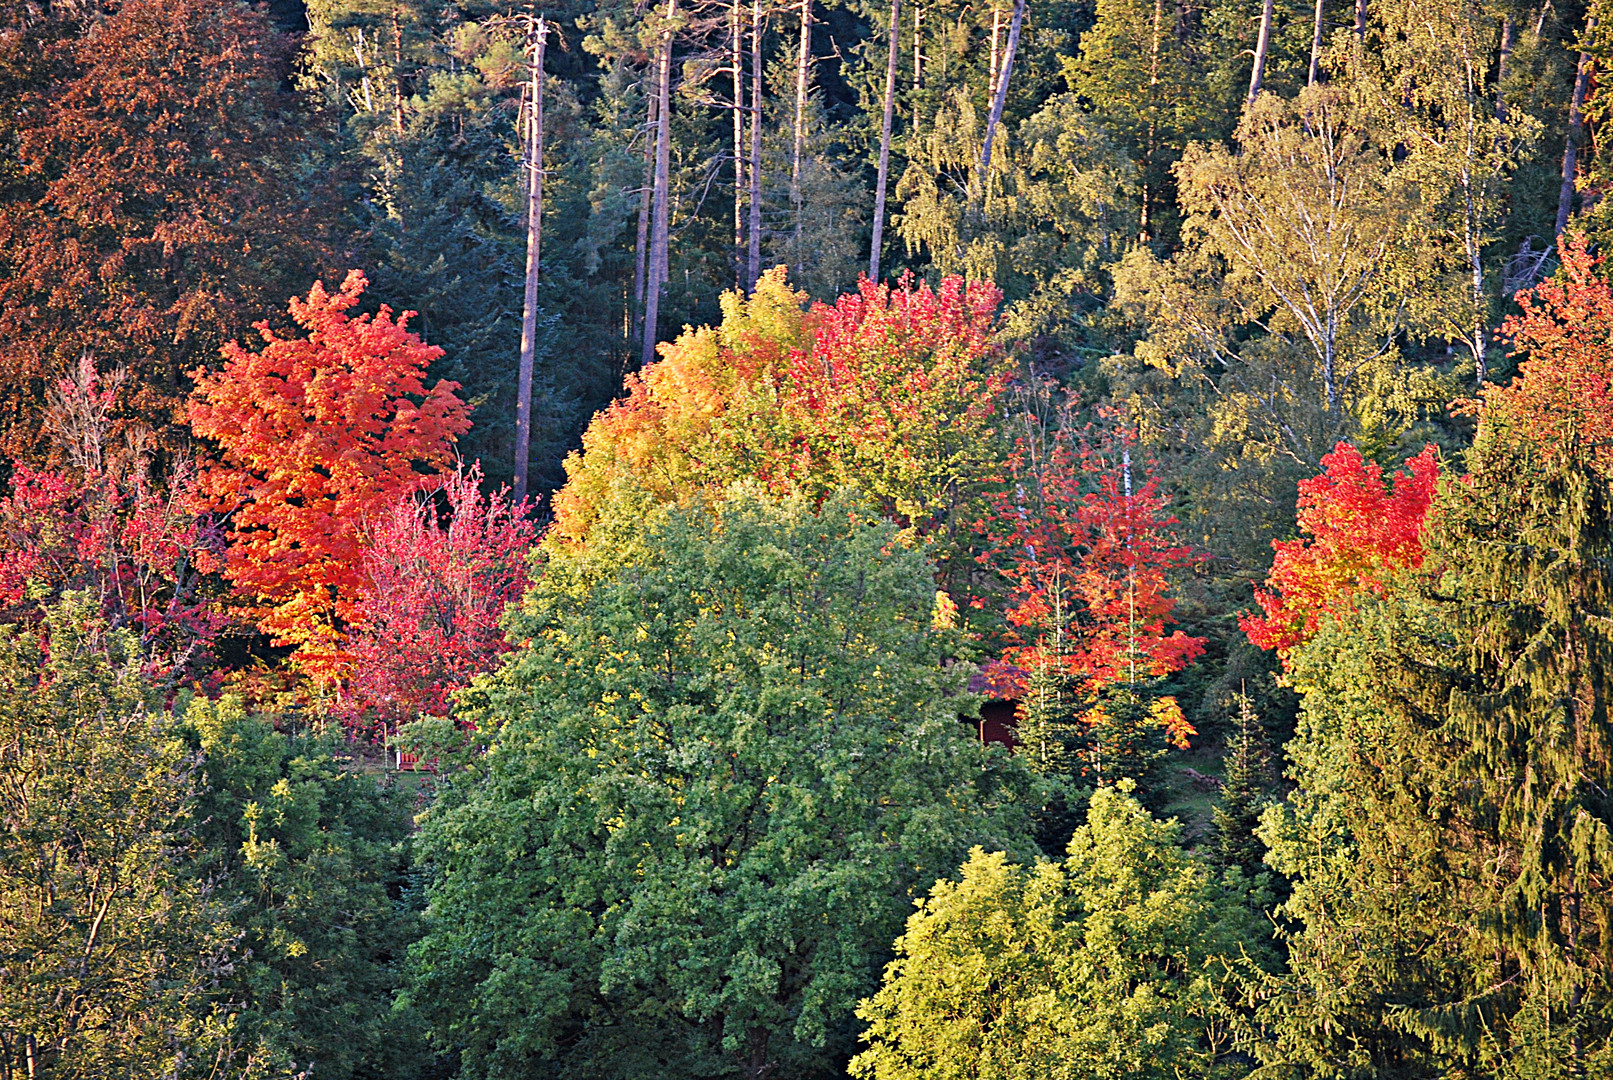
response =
{"points": [[320, 437], [1358, 528], [435, 582], [1085, 552], [891, 391], [1563, 395], [140, 552]]}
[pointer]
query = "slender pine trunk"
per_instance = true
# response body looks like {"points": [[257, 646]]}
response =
{"points": [[646, 193], [918, 50], [753, 260], [1576, 124], [537, 36], [996, 32], [803, 69], [662, 191], [1507, 34], [1316, 46], [998, 99], [885, 143]]}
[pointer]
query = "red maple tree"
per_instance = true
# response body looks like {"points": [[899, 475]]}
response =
{"points": [[1358, 528], [439, 568], [319, 436], [1562, 396], [1081, 536]]}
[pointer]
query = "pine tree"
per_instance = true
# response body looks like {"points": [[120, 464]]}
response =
{"points": [[1245, 792]]}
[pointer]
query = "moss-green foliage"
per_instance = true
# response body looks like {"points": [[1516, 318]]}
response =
{"points": [[1449, 841], [309, 858], [109, 949], [714, 781], [1106, 964]]}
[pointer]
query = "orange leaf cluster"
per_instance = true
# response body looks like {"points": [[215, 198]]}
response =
{"points": [[890, 391], [1358, 529], [1562, 397], [319, 437]]}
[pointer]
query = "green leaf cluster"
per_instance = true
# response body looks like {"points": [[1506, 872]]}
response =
{"points": [[1112, 962], [715, 779]]}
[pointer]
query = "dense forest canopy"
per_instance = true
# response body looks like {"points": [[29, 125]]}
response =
{"points": [[790, 539]]}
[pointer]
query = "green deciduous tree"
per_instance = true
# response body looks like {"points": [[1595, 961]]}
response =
{"points": [[110, 952], [715, 778], [308, 857], [1102, 965]]}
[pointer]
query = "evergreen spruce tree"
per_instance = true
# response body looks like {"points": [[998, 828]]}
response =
{"points": [[1245, 793], [1450, 842], [1048, 742]]}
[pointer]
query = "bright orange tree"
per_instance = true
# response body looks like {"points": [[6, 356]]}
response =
{"points": [[318, 436], [893, 391], [1359, 529], [1563, 395]]}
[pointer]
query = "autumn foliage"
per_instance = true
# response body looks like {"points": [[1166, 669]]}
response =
{"points": [[98, 525], [1562, 397], [438, 571], [148, 214], [1084, 546], [890, 390], [319, 437], [1359, 528]]}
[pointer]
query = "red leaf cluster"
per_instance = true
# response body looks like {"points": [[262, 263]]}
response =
{"points": [[319, 437], [139, 552], [1085, 546], [1358, 528], [438, 570]]}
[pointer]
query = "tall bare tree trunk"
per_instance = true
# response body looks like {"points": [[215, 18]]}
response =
{"points": [[661, 190], [739, 144], [1262, 44], [1000, 97], [802, 72], [537, 36], [885, 142], [1507, 34], [996, 31], [397, 72], [646, 198], [1316, 47], [753, 254], [1576, 124]]}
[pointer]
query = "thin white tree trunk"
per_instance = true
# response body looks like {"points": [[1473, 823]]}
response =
{"points": [[753, 260], [885, 143], [1000, 97], [538, 36], [662, 190], [739, 144], [1262, 44]]}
